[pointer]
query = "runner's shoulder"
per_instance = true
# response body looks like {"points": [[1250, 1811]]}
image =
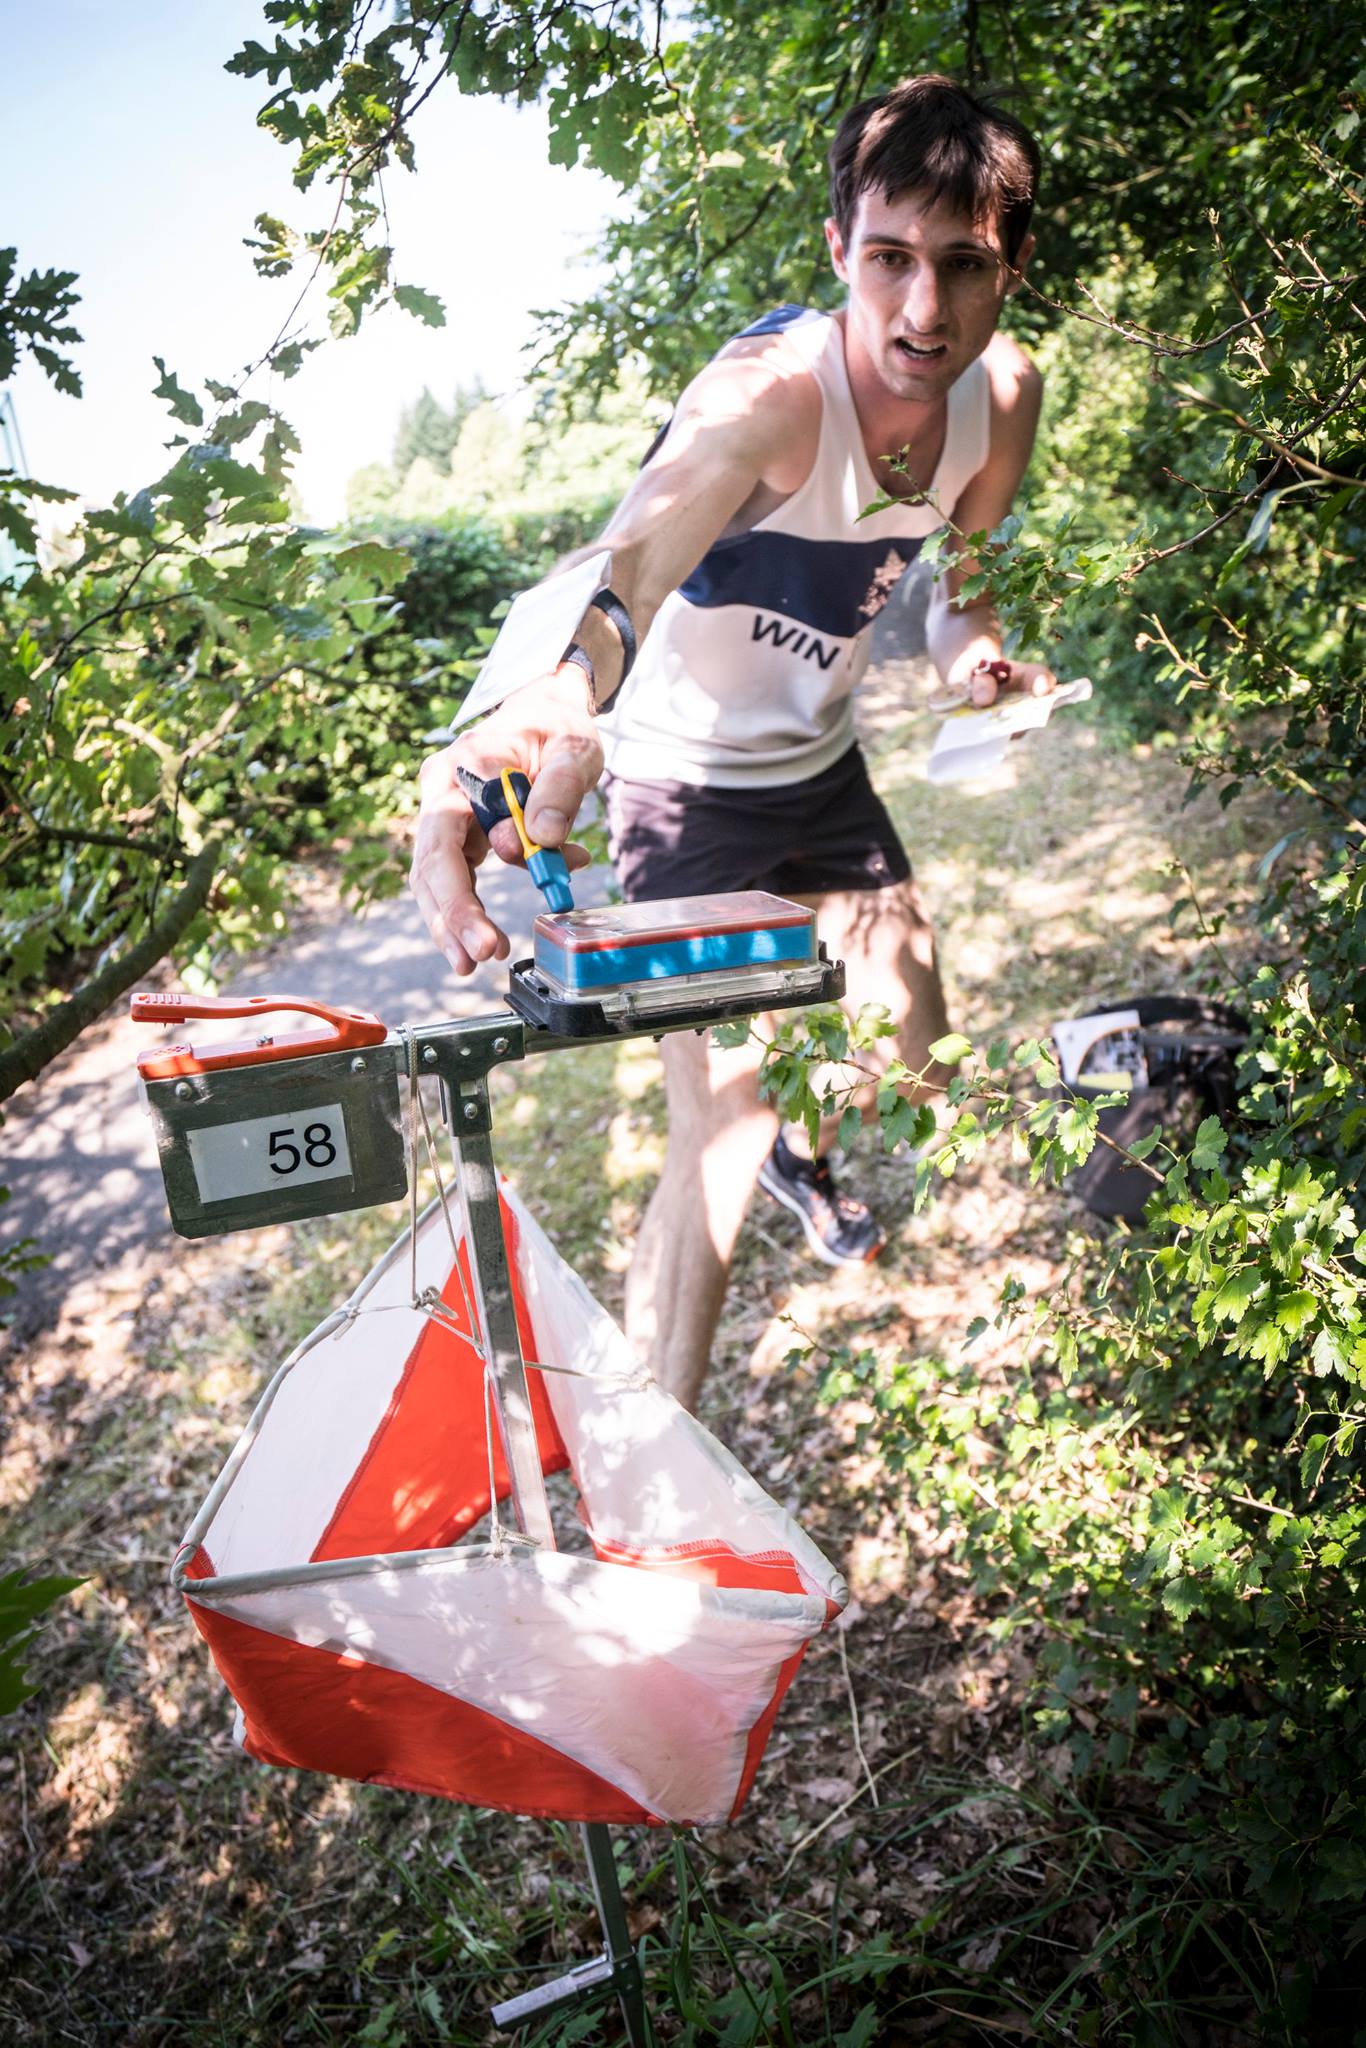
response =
{"points": [[1014, 378], [759, 381]]}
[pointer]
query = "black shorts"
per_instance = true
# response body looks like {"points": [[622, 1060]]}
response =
{"points": [[831, 832]]}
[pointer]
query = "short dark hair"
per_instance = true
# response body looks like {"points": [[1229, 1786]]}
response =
{"points": [[931, 135]]}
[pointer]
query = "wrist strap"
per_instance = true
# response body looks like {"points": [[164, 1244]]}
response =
{"points": [[610, 605]]}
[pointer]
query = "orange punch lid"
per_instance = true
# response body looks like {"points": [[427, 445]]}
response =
{"points": [[341, 1031]]}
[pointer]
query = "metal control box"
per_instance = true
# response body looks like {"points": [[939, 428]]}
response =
{"points": [[245, 1146]]}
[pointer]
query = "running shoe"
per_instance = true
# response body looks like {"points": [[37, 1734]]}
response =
{"points": [[839, 1228]]}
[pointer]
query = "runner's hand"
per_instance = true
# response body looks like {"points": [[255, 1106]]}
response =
{"points": [[1026, 679], [546, 730], [981, 683]]}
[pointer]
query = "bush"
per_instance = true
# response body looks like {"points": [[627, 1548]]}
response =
{"points": [[460, 570]]}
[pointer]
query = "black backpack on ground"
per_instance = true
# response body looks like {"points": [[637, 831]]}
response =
{"points": [[1181, 1058]]}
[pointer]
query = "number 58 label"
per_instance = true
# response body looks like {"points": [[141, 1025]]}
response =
{"points": [[265, 1152]]}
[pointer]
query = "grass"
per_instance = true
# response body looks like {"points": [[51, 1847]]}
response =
{"points": [[157, 1888]]}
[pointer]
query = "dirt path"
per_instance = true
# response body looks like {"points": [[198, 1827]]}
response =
{"points": [[157, 1889]]}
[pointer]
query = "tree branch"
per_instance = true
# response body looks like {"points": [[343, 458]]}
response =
{"points": [[35, 1049], [1150, 337], [1285, 449], [112, 611], [71, 835], [67, 835]]}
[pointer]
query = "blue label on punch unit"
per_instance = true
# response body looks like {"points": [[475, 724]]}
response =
{"points": [[624, 945], [610, 965]]}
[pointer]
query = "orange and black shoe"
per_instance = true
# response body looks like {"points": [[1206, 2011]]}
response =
{"points": [[839, 1228]]}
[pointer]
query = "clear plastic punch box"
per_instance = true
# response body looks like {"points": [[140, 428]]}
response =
{"points": [[634, 959]]}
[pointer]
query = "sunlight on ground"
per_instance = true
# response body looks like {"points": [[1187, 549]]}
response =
{"points": [[637, 1068], [632, 1151]]}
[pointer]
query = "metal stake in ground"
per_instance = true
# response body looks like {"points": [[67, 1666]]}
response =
{"points": [[469, 1118]]}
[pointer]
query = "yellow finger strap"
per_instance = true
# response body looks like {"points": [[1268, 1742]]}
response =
{"points": [[529, 845]]}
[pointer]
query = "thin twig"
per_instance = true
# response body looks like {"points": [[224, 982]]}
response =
{"points": [[843, 1807], [859, 1751], [1286, 450], [1152, 338], [114, 610], [1207, 933]]}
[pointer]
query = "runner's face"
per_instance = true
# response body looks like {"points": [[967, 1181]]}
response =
{"points": [[926, 287]]}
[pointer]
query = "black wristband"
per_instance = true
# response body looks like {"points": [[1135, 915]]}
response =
{"points": [[610, 605]]}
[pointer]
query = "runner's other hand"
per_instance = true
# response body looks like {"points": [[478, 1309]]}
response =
{"points": [[1022, 678], [546, 730]]}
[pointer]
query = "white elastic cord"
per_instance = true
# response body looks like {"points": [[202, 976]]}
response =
{"points": [[427, 1300], [410, 1040], [434, 1159], [495, 1526]]}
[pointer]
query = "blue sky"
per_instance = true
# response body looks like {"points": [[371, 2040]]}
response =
{"points": [[129, 155]]}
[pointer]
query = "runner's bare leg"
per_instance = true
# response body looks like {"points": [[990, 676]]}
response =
{"points": [[720, 1132], [719, 1135]]}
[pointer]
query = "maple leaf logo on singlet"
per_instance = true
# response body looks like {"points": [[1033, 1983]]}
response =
{"points": [[885, 579]]}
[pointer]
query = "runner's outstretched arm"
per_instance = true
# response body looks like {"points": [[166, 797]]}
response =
{"points": [[961, 637], [735, 428]]}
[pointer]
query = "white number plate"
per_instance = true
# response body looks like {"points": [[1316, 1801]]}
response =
{"points": [[265, 1152]]}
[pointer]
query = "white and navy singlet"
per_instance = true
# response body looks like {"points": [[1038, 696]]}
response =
{"points": [[744, 677]]}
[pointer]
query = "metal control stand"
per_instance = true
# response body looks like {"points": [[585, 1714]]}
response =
{"points": [[463, 1068], [275, 1130]]}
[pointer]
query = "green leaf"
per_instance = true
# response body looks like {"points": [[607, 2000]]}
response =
{"points": [[1210, 1144], [1340, 1870], [288, 360], [1295, 1308], [372, 558], [1269, 1343], [1260, 526], [905, 1123], [1332, 1351], [1181, 1598], [184, 405], [867, 2025], [950, 1049], [1231, 1301], [239, 425], [18, 526], [874, 1021], [22, 1601], [1313, 1458], [424, 306]]}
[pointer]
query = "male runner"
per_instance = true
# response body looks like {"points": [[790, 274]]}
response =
{"points": [[742, 570]]}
